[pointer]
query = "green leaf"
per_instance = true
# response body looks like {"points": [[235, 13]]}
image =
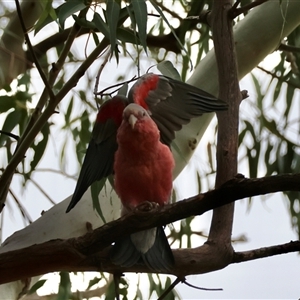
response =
{"points": [[141, 17], [64, 290], [40, 147], [168, 69], [11, 121], [69, 8], [259, 96], [69, 111], [126, 36], [47, 16], [123, 90], [169, 25], [6, 103], [36, 286], [84, 23], [85, 133], [96, 188], [93, 281], [96, 39], [101, 25], [289, 98], [112, 15], [253, 158]]}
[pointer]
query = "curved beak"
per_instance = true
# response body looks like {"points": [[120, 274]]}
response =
{"points": [[132, 120]]}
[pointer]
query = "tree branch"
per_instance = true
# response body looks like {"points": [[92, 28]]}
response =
{"points": [[227, 144], [91, 251], [35, 60], [289, 48], [41, 121], [234, 12], [292, 246]]}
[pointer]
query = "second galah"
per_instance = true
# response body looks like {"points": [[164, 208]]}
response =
{"points": [[143, 174], [170, 103]]}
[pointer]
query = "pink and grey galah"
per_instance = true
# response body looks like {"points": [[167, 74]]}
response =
{"points": [[143, 173], [155, 108]]}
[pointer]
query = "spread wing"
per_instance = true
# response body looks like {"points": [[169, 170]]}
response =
{"points": [[99, 158], [172, 103]]}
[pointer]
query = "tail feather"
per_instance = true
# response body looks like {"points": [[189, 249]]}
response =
{"points": [[158, 257], [124, 253]]}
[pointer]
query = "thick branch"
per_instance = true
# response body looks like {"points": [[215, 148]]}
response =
{"points": [[90, 251], [227, 147]]}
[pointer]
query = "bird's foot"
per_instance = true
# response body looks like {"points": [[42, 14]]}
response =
{"points": [[146, 206]]}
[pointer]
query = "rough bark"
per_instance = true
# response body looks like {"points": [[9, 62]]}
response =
{"points": [[90, 252]]}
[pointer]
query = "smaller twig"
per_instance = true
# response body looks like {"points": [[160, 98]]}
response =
{"points": [[154, 15], [273, 74], [203, 17], [57, 172], [102, 92], [236, 4], [292, 246], [38, 186], [234, 12], [16, 137], [289, 48], [37, 64], [23, 210], [170, 288], [105, 60], [166, 9], [244, 94], [117, 278], [200, 288]]}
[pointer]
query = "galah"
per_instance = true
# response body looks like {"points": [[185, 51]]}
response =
{"points": [[143, 169], [170, 103]]}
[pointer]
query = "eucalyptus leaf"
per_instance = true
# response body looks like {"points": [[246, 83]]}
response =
{"points": [[112, 16], [36, 286], [96, 188], [68, 9], [141, 17], [101, 25], [168, 69]]}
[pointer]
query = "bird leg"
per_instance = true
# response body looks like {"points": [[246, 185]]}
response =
{"points": [[146, 206]]}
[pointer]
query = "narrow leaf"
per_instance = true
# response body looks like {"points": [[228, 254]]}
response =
{"points": [[168, 69], [69, 8], [6, 103], [64, 289], [9, 124], [93, 281], [170, 26], [84, 23], [96, 187], [36, 286], [101, 25], [123, 90], [140, 13], [47, 16], [40, 147], [112, 15]]}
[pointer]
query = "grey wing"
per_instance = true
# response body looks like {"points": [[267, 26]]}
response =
{"points": [[170, 112], [98, 161]]}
